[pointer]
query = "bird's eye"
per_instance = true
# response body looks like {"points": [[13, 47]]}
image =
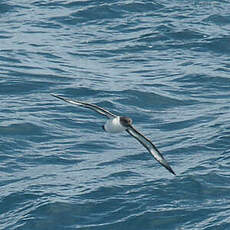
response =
{"points": [[128, 121]]}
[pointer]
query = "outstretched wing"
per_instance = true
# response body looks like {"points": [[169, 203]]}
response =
{"points": [[87, 105], [150, 147]]}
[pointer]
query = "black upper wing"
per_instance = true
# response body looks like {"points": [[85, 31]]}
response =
{"points": [[150, 147], [87, 105]]}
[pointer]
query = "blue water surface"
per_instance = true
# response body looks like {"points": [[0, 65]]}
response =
{"points": [[164, 63]]}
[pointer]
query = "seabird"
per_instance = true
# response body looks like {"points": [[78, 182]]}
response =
{"points": [[116, 124]]}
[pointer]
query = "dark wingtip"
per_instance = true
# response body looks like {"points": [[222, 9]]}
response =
{"points": [[170, 170], [166, 165], [54, 95], [57, 96]]}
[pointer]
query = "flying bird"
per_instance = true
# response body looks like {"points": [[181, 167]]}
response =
{"points": [[117, 124]]}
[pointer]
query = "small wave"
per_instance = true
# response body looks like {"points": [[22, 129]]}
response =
{"points": [[218, 19], [22, 87], [5, 8], [21, 129], [149, 99]]}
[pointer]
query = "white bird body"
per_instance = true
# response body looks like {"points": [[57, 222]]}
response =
{"points": [[114, 125]]}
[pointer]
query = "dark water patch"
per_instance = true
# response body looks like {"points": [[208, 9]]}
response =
{"points": [[101, 12], [218, 45], [9, 59], [13, 145], [189, 40], [130, 159], [10, 167], [47, 25], [211, 45], [153, 38], [143, 156], [5, 36], [151, 219], [5, 157], [47, 160], [21, 129], [23, 203], [92, 146], [164, 35], [104, 192], [194, 189], [9, 181], [183, 124], [218, 19], [66, 20], [122, 175], [48, 4], [143, 206], [24, 67], [185, 35], [5, 8], [48, 214], [16, 87], [201, 79], [179, 125], [122, 7], [211, 185], [141, 7], [80, 92], [80, 4], [109, 163], [36, 77], [163, 28], [48, 55], [197, 83], [67, 215], [221, 141], [96, 13], [14, 200], [149, 100]]}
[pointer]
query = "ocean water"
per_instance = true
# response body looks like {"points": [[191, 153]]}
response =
{"points": [[164, 63]]}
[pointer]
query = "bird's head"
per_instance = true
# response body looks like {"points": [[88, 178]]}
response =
{"points": [[126, 121]]}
